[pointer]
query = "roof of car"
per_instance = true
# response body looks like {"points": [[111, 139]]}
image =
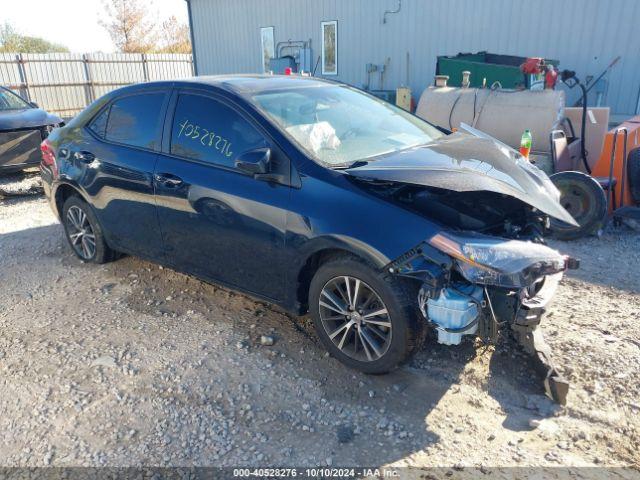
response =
{"points": [[255, 83], [240, 84]]}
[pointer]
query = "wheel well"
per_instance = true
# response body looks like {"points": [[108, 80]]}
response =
{"points": [[309, 270], [62, 194]]}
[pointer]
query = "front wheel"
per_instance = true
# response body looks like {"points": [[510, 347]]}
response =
{"points": [[366, 319]]}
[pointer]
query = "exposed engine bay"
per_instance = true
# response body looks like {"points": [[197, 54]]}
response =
{"points": [[480, 211]]}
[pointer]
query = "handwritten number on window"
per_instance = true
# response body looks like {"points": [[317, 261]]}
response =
{"points": [[208, 138], [203, 138]]}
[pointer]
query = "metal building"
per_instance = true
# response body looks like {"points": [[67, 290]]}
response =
{"points": [[344, 39]]}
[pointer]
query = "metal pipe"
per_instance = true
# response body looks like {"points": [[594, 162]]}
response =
{"points": [[383, 70], [194, 64], [290, 44], [624, 166], [70, 84], [80, 60], [583, 132], [407, 78], [613, 159], [390, 12]]}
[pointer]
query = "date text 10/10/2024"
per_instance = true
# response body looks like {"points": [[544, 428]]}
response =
{"points": [[316, 472], [206, 137]]}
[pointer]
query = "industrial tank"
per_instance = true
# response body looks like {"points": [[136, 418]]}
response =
{"points": [[503, 114]]}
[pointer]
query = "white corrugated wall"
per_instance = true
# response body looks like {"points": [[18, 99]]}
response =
{"points": [[585, 35]]}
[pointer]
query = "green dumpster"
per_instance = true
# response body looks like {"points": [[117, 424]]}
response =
{"points": [[495, 68]]}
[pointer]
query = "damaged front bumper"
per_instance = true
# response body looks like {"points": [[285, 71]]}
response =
{"points": [[525, 329], [456, 305]]}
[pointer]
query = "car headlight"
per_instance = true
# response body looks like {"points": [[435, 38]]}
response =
{"points": [[497, 261]]}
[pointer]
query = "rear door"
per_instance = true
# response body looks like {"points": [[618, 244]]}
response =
{"points": [[116, 164], [217, 221]]}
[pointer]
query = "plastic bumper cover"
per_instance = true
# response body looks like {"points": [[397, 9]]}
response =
{"points": [[525, 328]]}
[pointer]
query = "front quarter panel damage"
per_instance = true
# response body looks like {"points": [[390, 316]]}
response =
{"points": [[520, 310]]}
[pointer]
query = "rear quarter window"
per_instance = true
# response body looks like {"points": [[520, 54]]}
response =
{"points": [[134, 120], [99, 124]]}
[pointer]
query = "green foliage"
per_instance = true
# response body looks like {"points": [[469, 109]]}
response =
{"points": [[14, 42]]}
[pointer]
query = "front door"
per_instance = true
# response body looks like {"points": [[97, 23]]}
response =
{"points": [[217, 221]]}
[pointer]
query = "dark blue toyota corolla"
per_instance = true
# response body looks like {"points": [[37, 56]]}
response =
{"points": [[319, 198]]}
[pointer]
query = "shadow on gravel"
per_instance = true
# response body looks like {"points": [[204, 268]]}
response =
{"points": [[404, 401], [16, 235], [516, 385], [376, 419]]}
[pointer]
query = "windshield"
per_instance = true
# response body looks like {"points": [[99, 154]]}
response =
{"points": [[339, 126], [11, 101]]}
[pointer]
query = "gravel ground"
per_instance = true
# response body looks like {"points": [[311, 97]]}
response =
{"points": [[130, 364]]}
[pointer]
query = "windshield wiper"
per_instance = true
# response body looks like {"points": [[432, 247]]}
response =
{"points": [[356, 164]]}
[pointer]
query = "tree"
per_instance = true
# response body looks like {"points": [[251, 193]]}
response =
{"points": [[174, 37], [12, 41], [129, 26]]}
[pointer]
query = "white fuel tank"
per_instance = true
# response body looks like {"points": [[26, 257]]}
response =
{"points": [[503, 114]]}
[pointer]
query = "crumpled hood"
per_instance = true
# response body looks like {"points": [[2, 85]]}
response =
{"points": [[26, 118], [462, 162]]}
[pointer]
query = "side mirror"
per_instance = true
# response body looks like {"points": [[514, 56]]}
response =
{"points": [[254, 162]]}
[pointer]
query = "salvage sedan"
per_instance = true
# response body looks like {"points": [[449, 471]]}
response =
{"points": [[22, 127], [320, 198]]}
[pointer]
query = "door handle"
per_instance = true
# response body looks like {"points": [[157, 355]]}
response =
{"points": [[167, 180], [85, 157]]}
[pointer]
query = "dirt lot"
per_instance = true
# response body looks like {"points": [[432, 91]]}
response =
{"points": [[132, 364]]}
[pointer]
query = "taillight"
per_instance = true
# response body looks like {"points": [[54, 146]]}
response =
{"points": [[48, 155]]}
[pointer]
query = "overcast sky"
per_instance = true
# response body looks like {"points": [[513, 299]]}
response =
{"points": [[74, 23]]}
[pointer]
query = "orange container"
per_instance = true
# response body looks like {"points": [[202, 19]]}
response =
{"points": [[601, 168]]}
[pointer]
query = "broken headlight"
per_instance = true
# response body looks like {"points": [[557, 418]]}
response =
{"points": [[496, 261]]}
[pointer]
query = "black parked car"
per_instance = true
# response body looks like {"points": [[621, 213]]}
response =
{"points": [[22, 127], [319, 198]]}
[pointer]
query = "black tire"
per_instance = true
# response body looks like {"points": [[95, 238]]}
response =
{"points": [[101, 252], [407, 328], [633, 174], [583, 197]]}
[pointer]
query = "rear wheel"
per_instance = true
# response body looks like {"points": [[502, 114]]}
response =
{"points": [[83, 232], [583, 197], [367, 320]]}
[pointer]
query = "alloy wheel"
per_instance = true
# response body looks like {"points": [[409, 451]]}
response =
{"points": [[81, 235], [355, 318]]}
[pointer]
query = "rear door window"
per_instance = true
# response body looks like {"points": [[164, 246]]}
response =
{"points": [[208, 130], [134, 120]]}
